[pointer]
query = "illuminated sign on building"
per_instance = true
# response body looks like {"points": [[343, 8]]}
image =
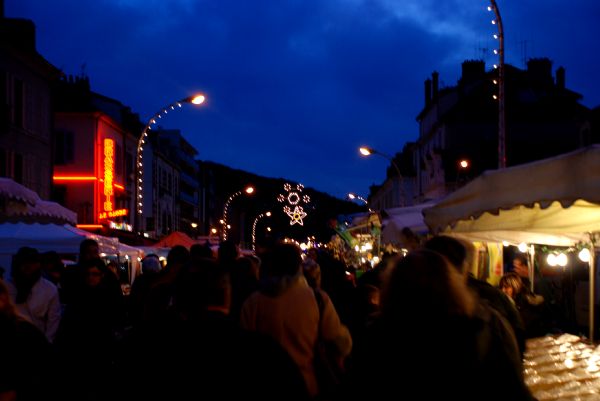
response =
{"points": [[113, 213], [109, 168], [108, 183]]}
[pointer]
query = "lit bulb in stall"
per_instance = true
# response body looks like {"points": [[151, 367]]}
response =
{"points": [[522, 247], [551, 259], [584, 255], [562, 259]]}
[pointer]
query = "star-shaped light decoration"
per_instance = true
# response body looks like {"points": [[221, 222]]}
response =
{"points": [[296, 215], [294, 197]]}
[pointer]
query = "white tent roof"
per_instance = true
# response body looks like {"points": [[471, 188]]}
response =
{"points": [[12, 190], [554, 201], [49, 237], [401, 217]]}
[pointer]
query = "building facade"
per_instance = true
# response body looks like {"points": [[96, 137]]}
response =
{"points": [[460, 123], [95, 149], [26, 80]]}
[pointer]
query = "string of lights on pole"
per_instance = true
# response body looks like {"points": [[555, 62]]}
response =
{"points": [[197, 100], [260, 216], [353, 196], [247, 190], [499, 82], [294, 197]]}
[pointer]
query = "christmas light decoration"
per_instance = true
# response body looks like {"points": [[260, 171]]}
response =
{"points": [[294, 197]]}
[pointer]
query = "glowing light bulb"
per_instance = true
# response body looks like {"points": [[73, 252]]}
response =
{"points": [[584, 255], [551, 259], [562, 260], [522, 247]]}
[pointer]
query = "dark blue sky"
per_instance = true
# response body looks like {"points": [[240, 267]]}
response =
{"points": [[295, 86]]}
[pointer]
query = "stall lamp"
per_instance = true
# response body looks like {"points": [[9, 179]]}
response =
{"points": [[522, 247], [584, 255]]}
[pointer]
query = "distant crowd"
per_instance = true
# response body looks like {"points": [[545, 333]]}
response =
{"points": [[281, 325]]}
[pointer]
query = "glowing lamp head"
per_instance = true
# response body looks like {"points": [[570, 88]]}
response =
{"points": [[522, 247], [213, 230], [584, 255], [351, 196], [269, 229], [198, 99], [194, 225], [365, 151], [463, 163], [268, 214], [249, 190]]}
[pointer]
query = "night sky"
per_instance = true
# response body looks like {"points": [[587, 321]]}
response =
{"points": [[295, 86]]}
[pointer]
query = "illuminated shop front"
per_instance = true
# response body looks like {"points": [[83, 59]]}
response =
{"points": [[92, 179]]}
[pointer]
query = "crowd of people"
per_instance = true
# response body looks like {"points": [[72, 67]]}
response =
{"points": [[278, 325]]}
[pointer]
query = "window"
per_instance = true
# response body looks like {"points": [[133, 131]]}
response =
{"points": [[118, 161], [19, 99], [63, 148], [3, 163], [18, 168]]}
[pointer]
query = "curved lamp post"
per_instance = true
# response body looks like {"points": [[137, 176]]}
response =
{"points": [[139, 165], [260, 216], [248, 190], [353, 196], [500, 82], [367, 151]]}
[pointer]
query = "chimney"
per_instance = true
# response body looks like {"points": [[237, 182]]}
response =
{"points": [[472, 70], [435, 84], [560, 78], [540, 71], [427, 92]]}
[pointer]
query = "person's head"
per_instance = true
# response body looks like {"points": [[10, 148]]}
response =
{"points": [[456, 251], [151, 264], [113, 267], [177, 257], [228, 252], [198, 251], [52, 266], [88, 249], [206, 287], [511, 284], [26, 265], [94, 271], [282, 260], [312, 272], [313, 253], [521, 265], [423, 287], [26, 271]]}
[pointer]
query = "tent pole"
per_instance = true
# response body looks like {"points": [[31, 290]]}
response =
{"points": [[592, 290], [531, 255]]}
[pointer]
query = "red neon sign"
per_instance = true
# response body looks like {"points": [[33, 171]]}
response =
{"points": [[109, 168]]}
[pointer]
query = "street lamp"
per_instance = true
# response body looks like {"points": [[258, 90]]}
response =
{"points": [[367, 151], [139, 165], [249, 191], [268, 214], [500, 82], [360, 198]]}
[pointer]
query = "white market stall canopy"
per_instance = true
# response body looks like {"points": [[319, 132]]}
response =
{"points": [[20, 204], [63, 239], [554, 201], [395, 219], [50, 237]]}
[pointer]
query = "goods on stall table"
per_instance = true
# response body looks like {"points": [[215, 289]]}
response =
{"points": [[564, 367]]}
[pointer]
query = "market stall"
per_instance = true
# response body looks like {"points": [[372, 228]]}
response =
{"points": [[553, 202]]}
